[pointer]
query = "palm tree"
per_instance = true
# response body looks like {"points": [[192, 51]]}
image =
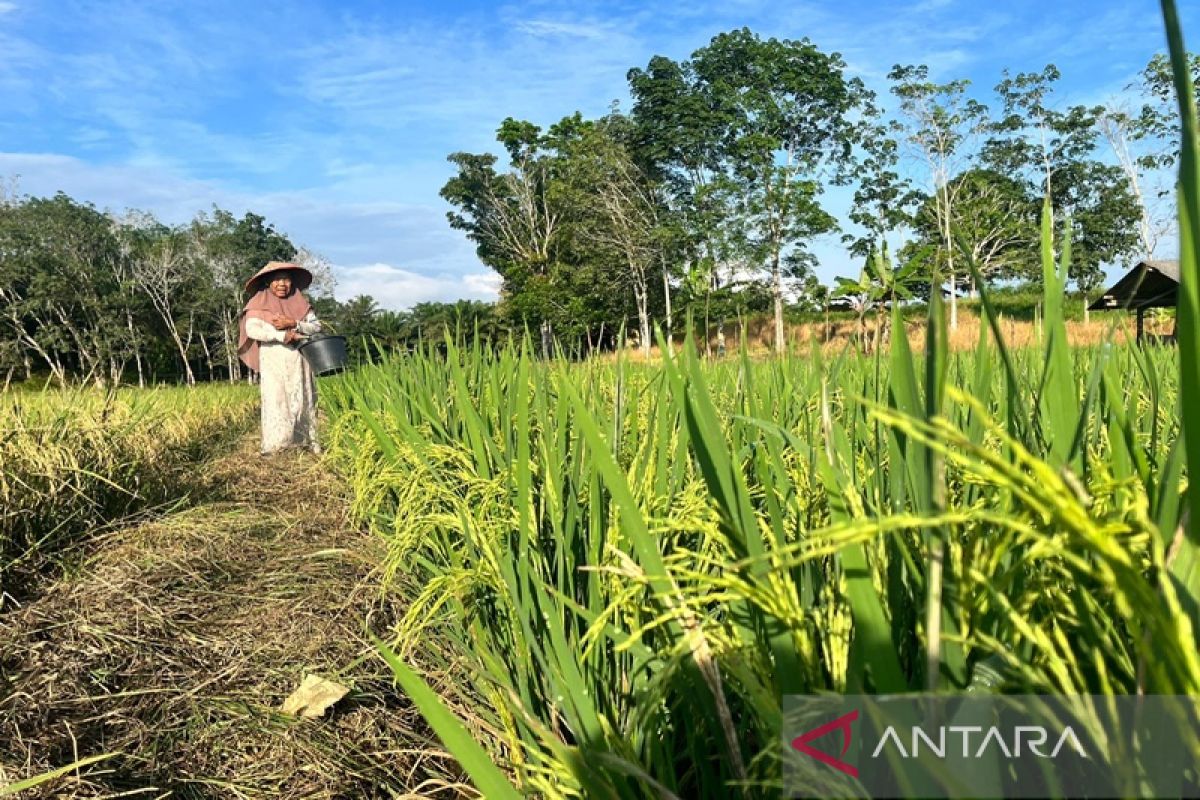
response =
{"points": [[358, 315]]}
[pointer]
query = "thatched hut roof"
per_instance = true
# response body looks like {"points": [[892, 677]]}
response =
{"points": [[1150, 284]]}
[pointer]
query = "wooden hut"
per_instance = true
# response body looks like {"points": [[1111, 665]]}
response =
{"points": [[1150, 284]]}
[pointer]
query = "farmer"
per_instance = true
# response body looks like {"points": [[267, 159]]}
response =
{"points": [[275, 317]]}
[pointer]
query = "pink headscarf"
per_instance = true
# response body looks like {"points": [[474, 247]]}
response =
{"points": [[263, 304]]}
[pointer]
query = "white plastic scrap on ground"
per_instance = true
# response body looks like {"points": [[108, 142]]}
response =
{"points": [[313, 697]]}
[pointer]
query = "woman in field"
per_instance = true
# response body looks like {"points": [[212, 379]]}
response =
{"points": [[275, 318]]}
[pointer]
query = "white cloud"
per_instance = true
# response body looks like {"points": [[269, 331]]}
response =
{"points": [[447, 88], [946, 63], [486, 284], [89, 135], [549, 29], [7, 8], [397, 288], [173, 198]]}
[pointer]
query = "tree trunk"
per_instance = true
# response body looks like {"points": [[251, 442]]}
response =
{"points": [[546, 340], [709, 285], [186, 348], [137, 348], [946, 237], [777, 295], [57, 371], [643, 319], [953, 302], [90, 362], [208, 362], [667, 298], [162, 304], [232, 362], [707, 323], [189, 376], [181, 348]]}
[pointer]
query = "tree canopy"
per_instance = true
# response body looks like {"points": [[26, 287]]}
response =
{"points": [[704, 200]]}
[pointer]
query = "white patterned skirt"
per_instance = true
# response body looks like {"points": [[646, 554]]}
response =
{"points": [[289, 399]]}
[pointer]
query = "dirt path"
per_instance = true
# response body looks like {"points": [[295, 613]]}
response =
{"points": [[175, 643]]}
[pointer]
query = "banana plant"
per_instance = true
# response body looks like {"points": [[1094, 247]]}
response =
{"points": [[878, 286]]}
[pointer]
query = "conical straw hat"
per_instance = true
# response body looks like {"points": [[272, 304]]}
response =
{"points": [[301, 278]]}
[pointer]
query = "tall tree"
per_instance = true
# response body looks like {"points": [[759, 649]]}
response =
{"points": [[884, 199], [786, 109], [620, 212], [513, 217], [940, 122], [217, 243], [678, 135], [993, 219], [162, 269], [58, 286], [1143, 134], [1055, 151], [747, 131], [131, 301]]}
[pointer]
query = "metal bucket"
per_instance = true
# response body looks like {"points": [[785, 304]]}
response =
{"points": [[325, 354]]}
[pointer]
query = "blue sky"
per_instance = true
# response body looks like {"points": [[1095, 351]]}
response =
{"points": [[334, 119]]}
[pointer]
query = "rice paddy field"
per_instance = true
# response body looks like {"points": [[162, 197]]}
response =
{"points": [[72, 461], [610, 572], [629, 565], [623, 568]]}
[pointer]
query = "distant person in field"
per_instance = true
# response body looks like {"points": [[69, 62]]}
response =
{"points": [[275, 318]]}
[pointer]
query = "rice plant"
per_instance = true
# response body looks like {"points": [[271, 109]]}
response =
{"points": [[632, 564], [74, 460]]}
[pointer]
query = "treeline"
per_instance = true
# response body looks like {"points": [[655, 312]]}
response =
{"points": [[703, 200], [372, 331], [709, 193], [90, 295], [87, 295]]}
